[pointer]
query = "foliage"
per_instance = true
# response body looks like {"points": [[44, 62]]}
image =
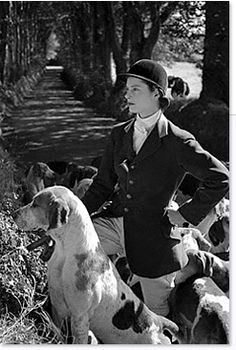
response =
{"points": [[22, 38], [92, 89], [182, 35], [168, 50], [208, 120], [134, 28], [53, 46], [216, 56], [166, 31], [7, 181], [23, 288], [90, 33], [23, 281], [187, 22], [24, 330]]}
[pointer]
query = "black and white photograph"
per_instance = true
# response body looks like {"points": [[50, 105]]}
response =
{"points": [[115, 173]]}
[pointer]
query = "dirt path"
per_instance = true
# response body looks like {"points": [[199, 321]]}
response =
{"points": [[52, 125]]}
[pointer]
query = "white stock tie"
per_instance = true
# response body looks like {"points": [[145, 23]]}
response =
{"points": [[142, 128], [140, 134]]}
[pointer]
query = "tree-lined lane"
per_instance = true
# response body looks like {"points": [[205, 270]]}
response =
{"points": [[52, 125]]}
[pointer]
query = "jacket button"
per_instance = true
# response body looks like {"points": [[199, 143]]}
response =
{"points": [[129, 196], [126, 210], [131, 182]]}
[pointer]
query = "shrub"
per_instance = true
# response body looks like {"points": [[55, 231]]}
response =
{"points": [[23, 281], [8, 186], [93, 89], [23, 289], [208, 121]]}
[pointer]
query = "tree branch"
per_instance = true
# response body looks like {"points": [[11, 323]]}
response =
{"points": [[168, 10]]}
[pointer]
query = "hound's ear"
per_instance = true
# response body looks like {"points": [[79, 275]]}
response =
{"points": [[38, 170], [58, 213]]}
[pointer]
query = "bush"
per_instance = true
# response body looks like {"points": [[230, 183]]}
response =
{"points": [[23, 280], [8, 186], [208, 121], [68, 76], [23, 288], [93, 90], [174, 49]]}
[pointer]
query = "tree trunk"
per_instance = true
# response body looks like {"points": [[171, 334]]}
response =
{"points": [[104, 49], [4, 10], [118, 54], [216, 54]]}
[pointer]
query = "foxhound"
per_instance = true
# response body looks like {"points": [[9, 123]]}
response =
{"points": [[205, 264], [84, 285], [38, 177], [201, 310]]}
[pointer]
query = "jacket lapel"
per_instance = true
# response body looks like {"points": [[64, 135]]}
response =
{"points": [[128, 140], [151, 144]]}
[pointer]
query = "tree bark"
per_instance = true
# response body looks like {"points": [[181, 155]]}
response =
{"points": [[4, 11], [117, 51]]}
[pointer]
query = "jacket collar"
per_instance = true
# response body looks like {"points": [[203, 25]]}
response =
{"points": [[162, 126], [153, 141]]}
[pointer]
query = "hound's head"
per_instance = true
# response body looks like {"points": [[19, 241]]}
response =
{"points": [[42, 171], [49, 209], [219, 232], [38, 177]]}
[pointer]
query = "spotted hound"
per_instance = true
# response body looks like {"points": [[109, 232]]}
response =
{"points": [[84, 285]]}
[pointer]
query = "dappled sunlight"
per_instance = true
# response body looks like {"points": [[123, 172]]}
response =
{"points": [[56, 68], [52, 125], [34, 144]]}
